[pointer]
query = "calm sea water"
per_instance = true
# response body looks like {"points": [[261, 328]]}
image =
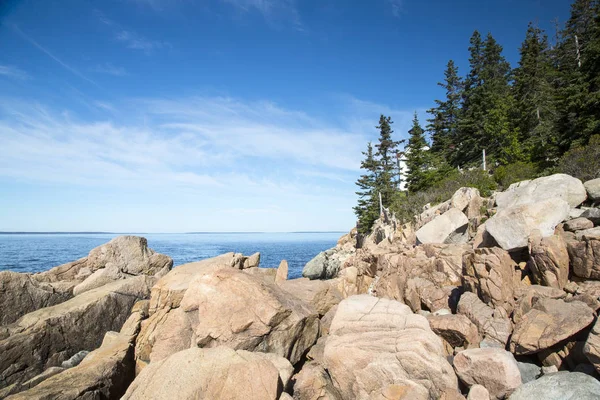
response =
{"points": [[40, 252]]}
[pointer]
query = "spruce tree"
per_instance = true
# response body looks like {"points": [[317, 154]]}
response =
{"points": [[367, 209], [571, 56], [418, 163], [387, 150], [470, 123], [535, 110], [487, 105], [443, 126]]}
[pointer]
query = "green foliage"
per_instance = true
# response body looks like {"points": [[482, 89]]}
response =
{"points": [[582, 162], [540, 118], [387, 152], [418, 159], [407, 205], [443, 127], [506, 175], [534, 107], [367, 209]]}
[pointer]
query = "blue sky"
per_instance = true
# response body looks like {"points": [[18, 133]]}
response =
{"points": [[217, 115]]}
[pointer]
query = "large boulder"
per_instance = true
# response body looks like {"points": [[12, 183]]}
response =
{"points": [[46, 337], [558, 186], [225, 306], [322, 295], [456, 329], [121, 258], [549, 322], [528, 296], [467, 200], [578, 224], [20, 294], [489, 272], [591, 349], [450, 227], [562, 385], [217, 373], [495, 369], [314, 383], [104, 373], [549, 260], [585, 256], [593, 189], [512, 226], [378, 346], [326, 264], [493, 324]]}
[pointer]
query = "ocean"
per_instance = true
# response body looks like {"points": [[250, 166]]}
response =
{"points": [[27, 252]]}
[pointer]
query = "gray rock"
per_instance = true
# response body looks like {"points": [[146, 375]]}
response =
{"points": [[450, 227], [551, 369], [529, 371], [593, 214], [578, 224], [560, 386], [593, 189], [326, 264], [512, 226], [591, 233], [549, 187], [75, 360]]}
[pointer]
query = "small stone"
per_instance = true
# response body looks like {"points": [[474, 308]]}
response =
{"points": [[549, 370]]}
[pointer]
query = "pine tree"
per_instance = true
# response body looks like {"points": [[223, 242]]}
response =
{"points": [[535, 110], [367, 209], [418, 162], [443, 127], [387, 150]]}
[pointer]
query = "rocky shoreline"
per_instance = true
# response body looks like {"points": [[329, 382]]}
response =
{"points": [[477, 298]]}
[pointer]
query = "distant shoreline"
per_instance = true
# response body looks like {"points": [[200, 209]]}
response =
{"points": [[157, 233]]}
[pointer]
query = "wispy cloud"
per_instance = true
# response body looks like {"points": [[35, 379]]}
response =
{"points": [[11, 71], [110, 69], [275, 12], [51, 55], [397, 7], [130, 38], [138, 42]]}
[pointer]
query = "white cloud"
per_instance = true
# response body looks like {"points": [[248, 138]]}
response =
{"points": [[109, 69], [397, 7], [130, 38], [136, 41], [274, 11], [13, 72], [199, 163]]}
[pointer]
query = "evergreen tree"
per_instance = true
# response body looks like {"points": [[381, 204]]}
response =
{"points": [[418, 162], [591, 69], [487, 106], [443, 126], [469, 125], [573, 50], [535, 110], [367, 209], [387, 150]]}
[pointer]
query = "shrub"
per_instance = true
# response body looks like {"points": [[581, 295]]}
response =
{"points": [[406, 206], [582, 162], [505, 175]]}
